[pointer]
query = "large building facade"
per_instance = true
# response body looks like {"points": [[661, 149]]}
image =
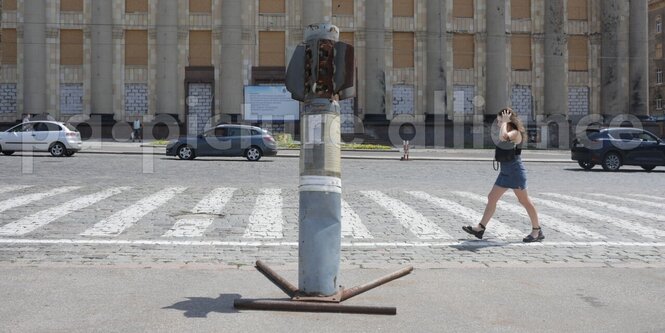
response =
{"points": [[434, 63]]}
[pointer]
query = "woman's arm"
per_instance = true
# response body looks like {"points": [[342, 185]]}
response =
{"points": [[508, 133]]}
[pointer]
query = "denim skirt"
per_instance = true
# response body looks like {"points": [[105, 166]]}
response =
{"points": [[512, 174]]}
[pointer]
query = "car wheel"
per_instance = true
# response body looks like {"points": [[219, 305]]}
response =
{"points": [[185, 152], [612, 162], [57, 149], [253, 153], [70, 153], [648, 167], [7, 152], [586, 165]]}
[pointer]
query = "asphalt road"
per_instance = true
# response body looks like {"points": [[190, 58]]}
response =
{"points": [[600, 269]]}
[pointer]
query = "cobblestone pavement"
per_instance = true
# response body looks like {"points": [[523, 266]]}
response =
{"points": [[104, 210]]}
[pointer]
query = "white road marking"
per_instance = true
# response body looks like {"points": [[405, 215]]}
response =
{"points": [[415, 222], [653, 198], [28, 198], [352, 226], [554, 223], [457, 244], [42, 218], [644, 231], [501, 230], [11, 188], [624, 199], [115, 224], [212, 204], [266, 220], [629, 211]]}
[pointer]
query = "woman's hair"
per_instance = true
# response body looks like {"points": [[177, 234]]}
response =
{"points": [[515, 121]]}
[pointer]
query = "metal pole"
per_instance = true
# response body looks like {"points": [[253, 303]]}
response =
{"points": [[348, 293], [320, 188], [276, 305], [278, 280]]}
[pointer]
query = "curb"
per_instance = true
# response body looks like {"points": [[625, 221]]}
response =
{"points": [[384, 158]]}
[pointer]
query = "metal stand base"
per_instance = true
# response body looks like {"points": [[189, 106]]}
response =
{"points": [[307, 303]]}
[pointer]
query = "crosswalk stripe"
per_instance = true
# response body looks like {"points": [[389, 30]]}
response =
{"points": [[633, 227], [12, 188], [554, 223], [196, 226], [352, 226], [28, 198], [118, 222], [407, 216], [500, 229], [42, 218], [613, 207], [266, 220], [653, 198], [624, 199]]}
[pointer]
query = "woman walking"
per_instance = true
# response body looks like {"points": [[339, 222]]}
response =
{"points": [[512, 176]]}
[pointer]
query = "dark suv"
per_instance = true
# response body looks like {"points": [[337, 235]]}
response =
{"points": [[614, 147]]}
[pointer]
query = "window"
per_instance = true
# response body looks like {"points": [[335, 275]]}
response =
{"points": [[9, 46], [136, 47], [659, 24], [200, 6], [521, 52], [403, 48], [71, 47], [463, 8], [659, 50], [200, 48], [346, 37], [520, 9], [659, 76], [9, 5], [403, 8], [463, 51], [272, 7], [272, 48], [136, 6], [71, 5], [342, 7], [659, 103], [578, 53], [577, 10]]}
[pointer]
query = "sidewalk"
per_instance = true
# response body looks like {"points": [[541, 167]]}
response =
{"points": [[415, 154]]}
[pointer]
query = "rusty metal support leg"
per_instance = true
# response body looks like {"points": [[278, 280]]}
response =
{"points": [[348, 293], [277, 305], [279, 281]]}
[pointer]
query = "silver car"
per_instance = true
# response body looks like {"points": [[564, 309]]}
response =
{"points": [[58, 138]]}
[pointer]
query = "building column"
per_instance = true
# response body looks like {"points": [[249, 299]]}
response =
{"points": [[556, 78], [638, 57], [436, 57], [167, 57], [496, 65], [614, 95], [375, 63], [231, 62], [34, 55], [102, 57]]}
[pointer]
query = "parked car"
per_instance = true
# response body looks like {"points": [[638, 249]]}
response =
{"points": [[225, 140], [617, 146], [58, 138]]}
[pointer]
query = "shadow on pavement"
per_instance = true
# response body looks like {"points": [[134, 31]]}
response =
{"points": [[475, 245], [610, 172], [200, 307]]}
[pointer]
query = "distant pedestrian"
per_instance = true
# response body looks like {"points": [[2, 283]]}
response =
{"points": [[136, 133], [26, 118], [49, 117], [512, 176]]}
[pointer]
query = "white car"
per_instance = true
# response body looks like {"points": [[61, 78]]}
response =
{"points": [[55, 137]]}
